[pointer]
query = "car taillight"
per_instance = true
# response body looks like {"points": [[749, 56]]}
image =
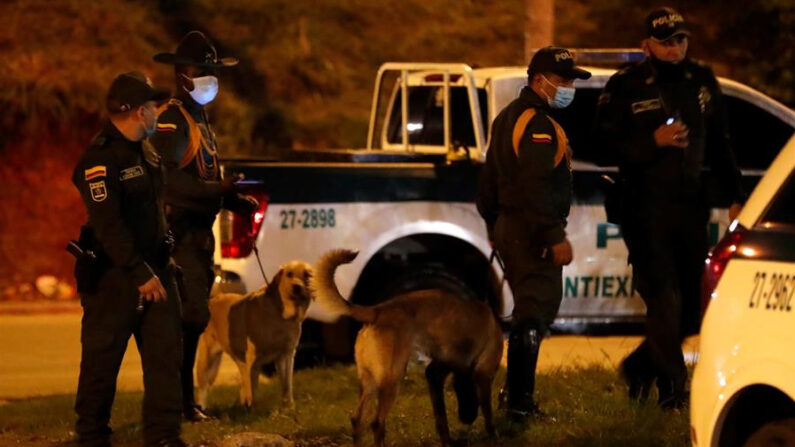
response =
{"points": [[716, 262], [238, 233]]}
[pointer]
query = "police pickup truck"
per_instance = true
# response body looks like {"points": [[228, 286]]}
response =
{"points": [[406, 201]]}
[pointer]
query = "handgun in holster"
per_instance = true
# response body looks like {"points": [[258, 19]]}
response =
{"points": [[87, 268]]}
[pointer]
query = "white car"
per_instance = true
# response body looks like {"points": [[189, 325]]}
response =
{"points": [[743, 390]]}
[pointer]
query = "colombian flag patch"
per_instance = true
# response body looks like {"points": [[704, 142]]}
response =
{"points": [[542, 138], [96, 172], [166, 127]]}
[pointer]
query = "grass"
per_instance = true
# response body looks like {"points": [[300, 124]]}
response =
{"points": [[587, 407]]}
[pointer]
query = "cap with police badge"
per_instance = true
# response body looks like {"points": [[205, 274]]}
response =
{"points": [[665, 23], [196, 50], [558, 61], [130, 90]]}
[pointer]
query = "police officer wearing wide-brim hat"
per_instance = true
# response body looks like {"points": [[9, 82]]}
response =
{"points": [[524, 195], [663, 121], [126, 287], [195, 191]]}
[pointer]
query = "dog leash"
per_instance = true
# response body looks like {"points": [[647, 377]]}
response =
{"points": [[262, 270]]}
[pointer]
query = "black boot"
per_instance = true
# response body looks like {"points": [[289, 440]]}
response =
{"points": [[672, 394], [636, 371], [523, 346]]}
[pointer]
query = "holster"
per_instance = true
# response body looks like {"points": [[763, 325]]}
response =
{"points": [[88, 268], [164, 250]]}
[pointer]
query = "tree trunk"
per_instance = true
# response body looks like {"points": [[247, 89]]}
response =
{"points": [[539, 25]]}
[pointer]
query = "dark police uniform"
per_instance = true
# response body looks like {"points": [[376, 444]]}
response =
{"points": [[524, 195], [194, 195], [665, 201], [120, 190]]}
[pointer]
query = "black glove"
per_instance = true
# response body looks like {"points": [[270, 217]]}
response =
{"points": [[248, 204], [228, 185], [241, 204]]}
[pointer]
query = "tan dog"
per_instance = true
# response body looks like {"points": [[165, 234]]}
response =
{"points": [[256, 329], [460, 337]]}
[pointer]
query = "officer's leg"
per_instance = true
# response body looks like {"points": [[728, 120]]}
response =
{"points": [[691, 252], [660, 290], [537, 290], [637, 368], [539, 293], [159, 342], [195, 260], [106, 328]]}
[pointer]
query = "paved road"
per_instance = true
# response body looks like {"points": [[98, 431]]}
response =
{"points": [[40, 355]]}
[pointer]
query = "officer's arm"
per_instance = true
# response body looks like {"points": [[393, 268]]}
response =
{"points": [[537, 150], [171, 141], [97, 179], [621, 142], [721, 155], [487, 198]]}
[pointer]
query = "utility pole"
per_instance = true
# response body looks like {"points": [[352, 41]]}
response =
{"points": [[539, 28]]}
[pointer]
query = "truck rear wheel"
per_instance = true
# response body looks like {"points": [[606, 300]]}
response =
{"points": [[779, 433]]}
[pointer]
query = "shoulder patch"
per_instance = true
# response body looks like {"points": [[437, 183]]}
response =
{"points": [[98, 191], [96, 172]]}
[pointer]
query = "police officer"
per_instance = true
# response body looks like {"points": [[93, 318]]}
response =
{"points": [[524, 195], [663, 120], [129, 290], [195, 192]]}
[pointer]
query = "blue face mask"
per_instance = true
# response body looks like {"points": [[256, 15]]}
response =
{"points": [[563, 96]]}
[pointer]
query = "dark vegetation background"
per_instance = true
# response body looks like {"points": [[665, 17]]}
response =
{"points": [[304, 81]]}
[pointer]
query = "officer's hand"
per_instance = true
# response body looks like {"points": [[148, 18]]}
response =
{"points": [[228, 185], [153, 290], [562, 253], [674, 134], [734, 210], [249, 204]]}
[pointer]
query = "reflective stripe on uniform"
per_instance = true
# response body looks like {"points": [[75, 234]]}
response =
{"points": [[521, 125]]}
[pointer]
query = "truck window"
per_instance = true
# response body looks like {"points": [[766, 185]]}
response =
{"points": [[756, 135], [426, 119], [782, 209], [578, 120]]}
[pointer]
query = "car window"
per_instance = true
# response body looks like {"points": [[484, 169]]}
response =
{"points": [[426, 116], [781, 210], [577, 120], [756, 135]]}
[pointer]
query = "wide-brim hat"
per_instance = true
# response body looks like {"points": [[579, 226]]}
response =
{"points": [[196, 50]]}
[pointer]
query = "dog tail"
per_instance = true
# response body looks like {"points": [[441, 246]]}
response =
{"points": [[326, 292]]}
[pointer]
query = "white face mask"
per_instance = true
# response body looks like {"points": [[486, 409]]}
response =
{"points": [[204, 89], [563, 96]]}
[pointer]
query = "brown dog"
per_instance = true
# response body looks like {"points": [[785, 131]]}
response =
{"points": [[459, 336], [256, 329]]}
